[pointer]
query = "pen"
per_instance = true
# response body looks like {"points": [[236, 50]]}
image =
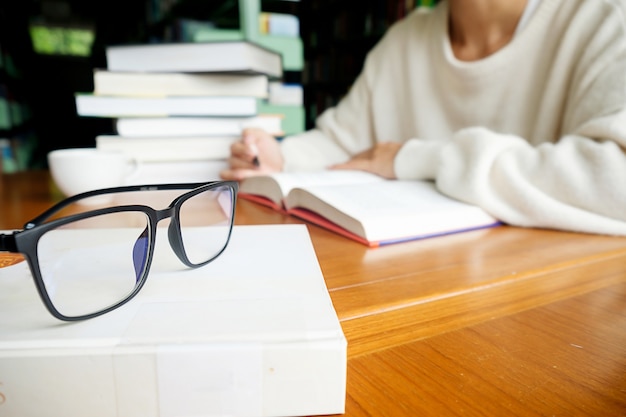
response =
{"points": [[255, 152]]}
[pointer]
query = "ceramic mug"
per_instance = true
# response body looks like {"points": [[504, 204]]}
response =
{"points": [[78, 170]]}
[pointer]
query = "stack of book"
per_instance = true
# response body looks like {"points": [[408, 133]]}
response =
{"points": [[183, 102]]}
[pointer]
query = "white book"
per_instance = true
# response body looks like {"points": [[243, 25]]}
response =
{"points": [[197, 126], [152, 149], [116, 106], [253, 333], [286, 94], [366, 207], [228, 56], [279, 24], [148, 84]]}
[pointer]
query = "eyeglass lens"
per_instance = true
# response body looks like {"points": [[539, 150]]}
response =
{"points": [[90, 265], [210, 208]]}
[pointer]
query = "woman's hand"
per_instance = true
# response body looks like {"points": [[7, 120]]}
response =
{"points": [[257, 153], [377, 160]]}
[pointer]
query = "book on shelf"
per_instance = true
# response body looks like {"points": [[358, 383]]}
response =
{"points": [[196, 126], [365, 207], [152, 84], [92, 105], [151, 149], [258, 337], [279, 24], [237, 56]]}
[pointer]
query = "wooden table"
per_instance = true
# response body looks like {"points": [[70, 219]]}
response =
{"points": [[499, 322]]}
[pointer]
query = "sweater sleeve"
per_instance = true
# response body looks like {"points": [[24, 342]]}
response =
{"points": [[575, 184], [572, 182], [339, 132]]}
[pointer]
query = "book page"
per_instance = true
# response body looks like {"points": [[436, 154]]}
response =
{"points": [[390, 210], [276, 186]]}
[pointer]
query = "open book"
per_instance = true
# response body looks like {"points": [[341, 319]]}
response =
{"points": [[365, 207]]}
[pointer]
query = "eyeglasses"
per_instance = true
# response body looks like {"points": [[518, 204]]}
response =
{"points": [[92, 261]]}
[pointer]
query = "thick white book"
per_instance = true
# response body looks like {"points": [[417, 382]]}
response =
{"points": [[197, 126], [253, 333], [127, 106], [153, 149], [228, 56], [149, 84]]}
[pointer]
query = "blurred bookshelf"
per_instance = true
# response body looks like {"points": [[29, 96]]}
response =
{"points": [[48, 49], [16, 137]]}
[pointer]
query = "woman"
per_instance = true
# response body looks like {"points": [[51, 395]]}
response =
{"points": [[517, 106]]}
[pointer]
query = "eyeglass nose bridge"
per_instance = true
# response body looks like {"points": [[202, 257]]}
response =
{"points": [[174, 234]]}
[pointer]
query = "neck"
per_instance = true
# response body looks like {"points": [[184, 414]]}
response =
{"points": [[479, 28]]}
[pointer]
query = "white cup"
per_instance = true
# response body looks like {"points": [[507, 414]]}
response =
{"points": [[78, 170]]}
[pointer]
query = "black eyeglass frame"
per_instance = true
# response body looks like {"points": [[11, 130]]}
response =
{"points": [[25, 241]]}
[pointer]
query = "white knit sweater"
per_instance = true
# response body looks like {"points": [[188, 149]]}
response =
{"points": [[535, 133]]}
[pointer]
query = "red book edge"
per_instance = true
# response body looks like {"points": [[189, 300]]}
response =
{"points": [[264, 201], [327, 224]]}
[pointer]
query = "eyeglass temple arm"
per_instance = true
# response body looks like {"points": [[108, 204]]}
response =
{"points": [[66, 202], [7, 244]]}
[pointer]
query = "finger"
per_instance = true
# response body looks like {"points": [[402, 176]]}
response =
{"points": [[243, 149], [245, 152], [353, 164], [253, 132], [239, 163], [238, 149]]}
